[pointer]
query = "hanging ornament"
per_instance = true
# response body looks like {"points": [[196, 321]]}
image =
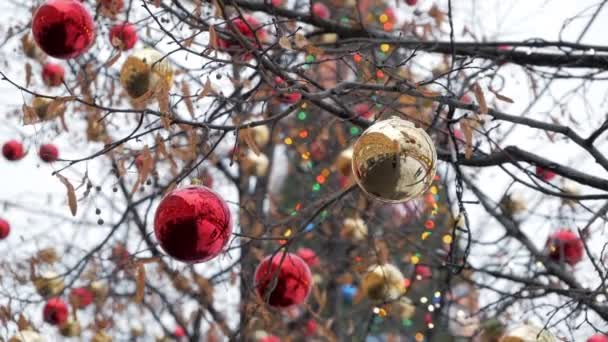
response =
{"points": [[513, 205], [55, 312], [309, 256], [48, 153], [256, 164], [179, 332], [27, 336], [71, 328], [144, 71], [383, 283], [344, 162], [81, 297], [283, 280], [250, 29], [286, 97], [53, 74], [598, 338], [354, 228], [100, 290], [5, 229], [528, 333], [565, 246], [63, 28], [545, 174], [13, 150], [320, 10], [260, 134], [423, 272], [393, 161], [49, 284], [349, 291], [192, 224], [411, 2], [123, 36]]}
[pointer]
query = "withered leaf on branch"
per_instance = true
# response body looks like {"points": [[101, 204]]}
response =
{"points": [[285, 43], [248, 138], [213, 37], [114, 58], [467, 131], [28, 74], [29, 115], [207, 89], [500, 96], [72, 203], [187, 96], [300, 40], [144, 170], [481, 99], [141, 283]]}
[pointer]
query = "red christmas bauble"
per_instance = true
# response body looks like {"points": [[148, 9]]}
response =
{"points": [[179, 332], [411, 2], [598, 338], [363, 110], [288, 98], [48, 153], [244, 27], [13, 150], [123, 36], [311, 327], [283, 280], [81, 297], [320, 10], [5, 229], [423, 271], [192, 224], [270, 338], [277, 3], [545, 174], [63, 28], [565, 245], [309, 256], [53, 74], [55, 312]]}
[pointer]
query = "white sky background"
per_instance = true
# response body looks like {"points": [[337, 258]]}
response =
{"points": [[30, 184]]}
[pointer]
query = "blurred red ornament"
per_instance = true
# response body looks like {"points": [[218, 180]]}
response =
{"points": [[250, 28], [363, 110], [428, 318], [112, 7], [123, 36], [311, 327], [53, 74], [270, 338], [277, 3], [63, 28], [55, 312], [565, 245], [120, 255], [545, 174], [290, 97], [390, 13], [81, 297], [320, 10], [192, 224], [318, 150], [423, 271], [13, 150], [411, 2], [598, 338], [5, 229], [283, 280], [309, 256], [48, 153], [466, 99], [179, 332]]}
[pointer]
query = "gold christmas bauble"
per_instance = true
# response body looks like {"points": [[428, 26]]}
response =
{"points": [[393, 161], [101, 336], [27, 336], [355, 228], [344, 162], [260, 134], [49, 284], [528, 333], [256, 164], [99, 289], [144, 71], [71, 328], [383, 283]]}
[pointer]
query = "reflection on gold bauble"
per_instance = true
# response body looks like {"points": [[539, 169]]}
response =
{"points": [[27, 336], [528, 333], [393, 161], [383, 283], [256, 164], [344, 162], [48, 284], [260, 134], [71, 328], [355, 228], [403, 307], [144, 71]]}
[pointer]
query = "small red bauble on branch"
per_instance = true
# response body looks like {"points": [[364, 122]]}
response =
{"points": [[179, 332], [123, 36], [81, 297], [250, 28], [289, 97], [5, 229], [53, 74], [411, 2], [309, 256], [63, 28], [545, 174], [13, 150], [48, 153], [363, 110], [565, 245], [55, 312], [598, 338], [320, 10], [283, 280], [192, 224]]}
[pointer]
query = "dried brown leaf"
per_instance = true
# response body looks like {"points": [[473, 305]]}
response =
{"points": [[145, 169], [28, 74], [500, 96], [187, 96], [72, 203], [300, 40], [140, 283], [29, 115], [247, 137], [112, 59], [213, 41], [285, 43], [22, 323], [207, 89], [468, 137], [481, 99]]}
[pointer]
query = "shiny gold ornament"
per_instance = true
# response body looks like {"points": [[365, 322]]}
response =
{"points": [[383, 283], [528, 333], [101, 336], [144, 72], [260, 134], [344, 162], [256, 164], [393, 161], [49, 284], [71, 328], [355, 228], [27, 336], [100, 290]]}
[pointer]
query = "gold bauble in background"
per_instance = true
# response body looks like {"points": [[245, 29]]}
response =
{"points": [[49, 284], [144, 71], [354, 228], [256, 164], [528, 333], [393, 161], [26, 336], [383, 283], [260, 134], [71, 328]]}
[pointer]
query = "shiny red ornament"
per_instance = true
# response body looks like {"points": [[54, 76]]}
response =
{"points": [[277, 3], [311, 328], [179, 332], [192, 224], [123, 36], [5, 229], [320, 10], [48, 153], [283, 280], [53, 74], [545, 174], [55, 312], [81, 297], [63, 28], [411, 2], [13, 150], [270, 338], [309, 256], [428, 318], [251, 29], [363, 110], [423, 271], [598, 338], [565, 245], [289, 97]]}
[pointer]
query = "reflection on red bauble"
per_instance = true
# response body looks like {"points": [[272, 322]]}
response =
{"points": [[179, 332], [123, 36], [309, 256], [81, 297], [48, 153], [55, 312], [290, 97], [63, 28], [53, 74], [565, 245], [545, 174], [320, 10], [411, 2], [598, 338], [192, 224], [283, 280], [13, 150], [5, 229], [233, 46]]}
